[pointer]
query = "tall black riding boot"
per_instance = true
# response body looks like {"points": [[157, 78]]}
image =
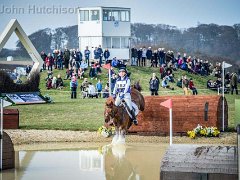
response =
{"points": [[135, 121]]}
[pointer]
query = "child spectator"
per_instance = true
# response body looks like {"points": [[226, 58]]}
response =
{"points": [[92, 91], [165, 84], [49, 61], [54, 82], [49, 82], [179, 82], [59, 82], [192, 87], [73, 87], [105, 92], [99, 87], [169, 75], [84, 65], [115, 62], [69, 73], [98, 68], [92, 71], [80, 73], [185, 85], [84, 87]]}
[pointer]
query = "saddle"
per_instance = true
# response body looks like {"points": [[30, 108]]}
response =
{"points": [[134, 106]]}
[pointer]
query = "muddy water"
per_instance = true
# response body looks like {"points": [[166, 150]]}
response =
{"points": [[87, 161]]}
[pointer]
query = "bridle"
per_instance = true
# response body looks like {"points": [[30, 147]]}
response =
{"points": [[112, 114]]}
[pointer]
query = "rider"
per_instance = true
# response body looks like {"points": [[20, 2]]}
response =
{"points": [[122, 91]]}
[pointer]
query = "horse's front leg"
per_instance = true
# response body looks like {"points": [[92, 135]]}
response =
{"points": [[121, 139], [116, 136]]}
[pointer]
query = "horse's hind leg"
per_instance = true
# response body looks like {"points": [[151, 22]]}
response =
{"points": [[116, 136]]}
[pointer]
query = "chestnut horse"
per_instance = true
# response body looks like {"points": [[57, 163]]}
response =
{"points": [[118, 116]]}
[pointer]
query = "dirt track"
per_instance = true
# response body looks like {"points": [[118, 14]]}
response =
{"points": [[46, 136]]}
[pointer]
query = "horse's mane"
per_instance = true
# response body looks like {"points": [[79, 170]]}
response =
{"points": [[109, 101], [137, 86]]}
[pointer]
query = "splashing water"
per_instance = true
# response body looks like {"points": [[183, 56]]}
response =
{"points": [[118, 139]]}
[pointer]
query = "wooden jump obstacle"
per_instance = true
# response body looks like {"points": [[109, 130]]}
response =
{"points": [[188, 112], [8, 161], [187, 162], [10, 119]]}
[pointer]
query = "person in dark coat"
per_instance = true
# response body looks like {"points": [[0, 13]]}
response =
{"points": [[154, 85], [154, 60], [106, 55], [87, 55], [139, 56], [100, 53], [149, 55], [43, 56], [134, 55], [234, 82], [66, 57], [96, 54]]}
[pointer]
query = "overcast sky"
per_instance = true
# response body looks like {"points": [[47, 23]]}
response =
{"points": [[180, 13]]}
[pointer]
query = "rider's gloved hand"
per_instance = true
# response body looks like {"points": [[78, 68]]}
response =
{"points": [[122, 96], [114, 96]]}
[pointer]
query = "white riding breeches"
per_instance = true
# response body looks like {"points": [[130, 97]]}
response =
{"points": [[127, 99]]}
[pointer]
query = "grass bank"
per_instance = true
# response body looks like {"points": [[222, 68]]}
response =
{"points": [[87, 114]]}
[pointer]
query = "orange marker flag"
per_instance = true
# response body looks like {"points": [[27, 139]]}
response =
{"points": [[107, 66], [167, 103]]}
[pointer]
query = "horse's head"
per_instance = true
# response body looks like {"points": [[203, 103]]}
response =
{"points": [[137, 86], [110, 110]]}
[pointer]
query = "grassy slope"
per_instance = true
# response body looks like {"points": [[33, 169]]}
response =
{"points": [[87, 114]]}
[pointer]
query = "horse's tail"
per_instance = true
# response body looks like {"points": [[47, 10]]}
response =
{"points": [[137, 86], [142, 105], [137, 97]]}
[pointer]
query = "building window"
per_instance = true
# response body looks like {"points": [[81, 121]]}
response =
{"points": [[95, 15], [116, 42], [115, 15], [124, 42], [107, 15], [125, 16], [84, 15], [106, 42]]}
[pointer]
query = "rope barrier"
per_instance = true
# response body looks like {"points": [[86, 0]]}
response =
{"points": [[143, 92]]}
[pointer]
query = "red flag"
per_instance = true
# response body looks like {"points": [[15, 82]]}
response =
{"points": [[107, 66], [167, 103]]}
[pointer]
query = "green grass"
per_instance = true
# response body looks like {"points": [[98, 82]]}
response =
{"points": [[237, 115], [87, 114]]}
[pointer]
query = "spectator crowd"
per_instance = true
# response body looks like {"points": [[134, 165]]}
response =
{"points": [[75, 64]]}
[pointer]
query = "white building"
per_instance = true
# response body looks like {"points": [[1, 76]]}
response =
{"points": [[105, 26]]}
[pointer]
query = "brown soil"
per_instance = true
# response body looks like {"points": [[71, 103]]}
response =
{"points": [[46, 136]]}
